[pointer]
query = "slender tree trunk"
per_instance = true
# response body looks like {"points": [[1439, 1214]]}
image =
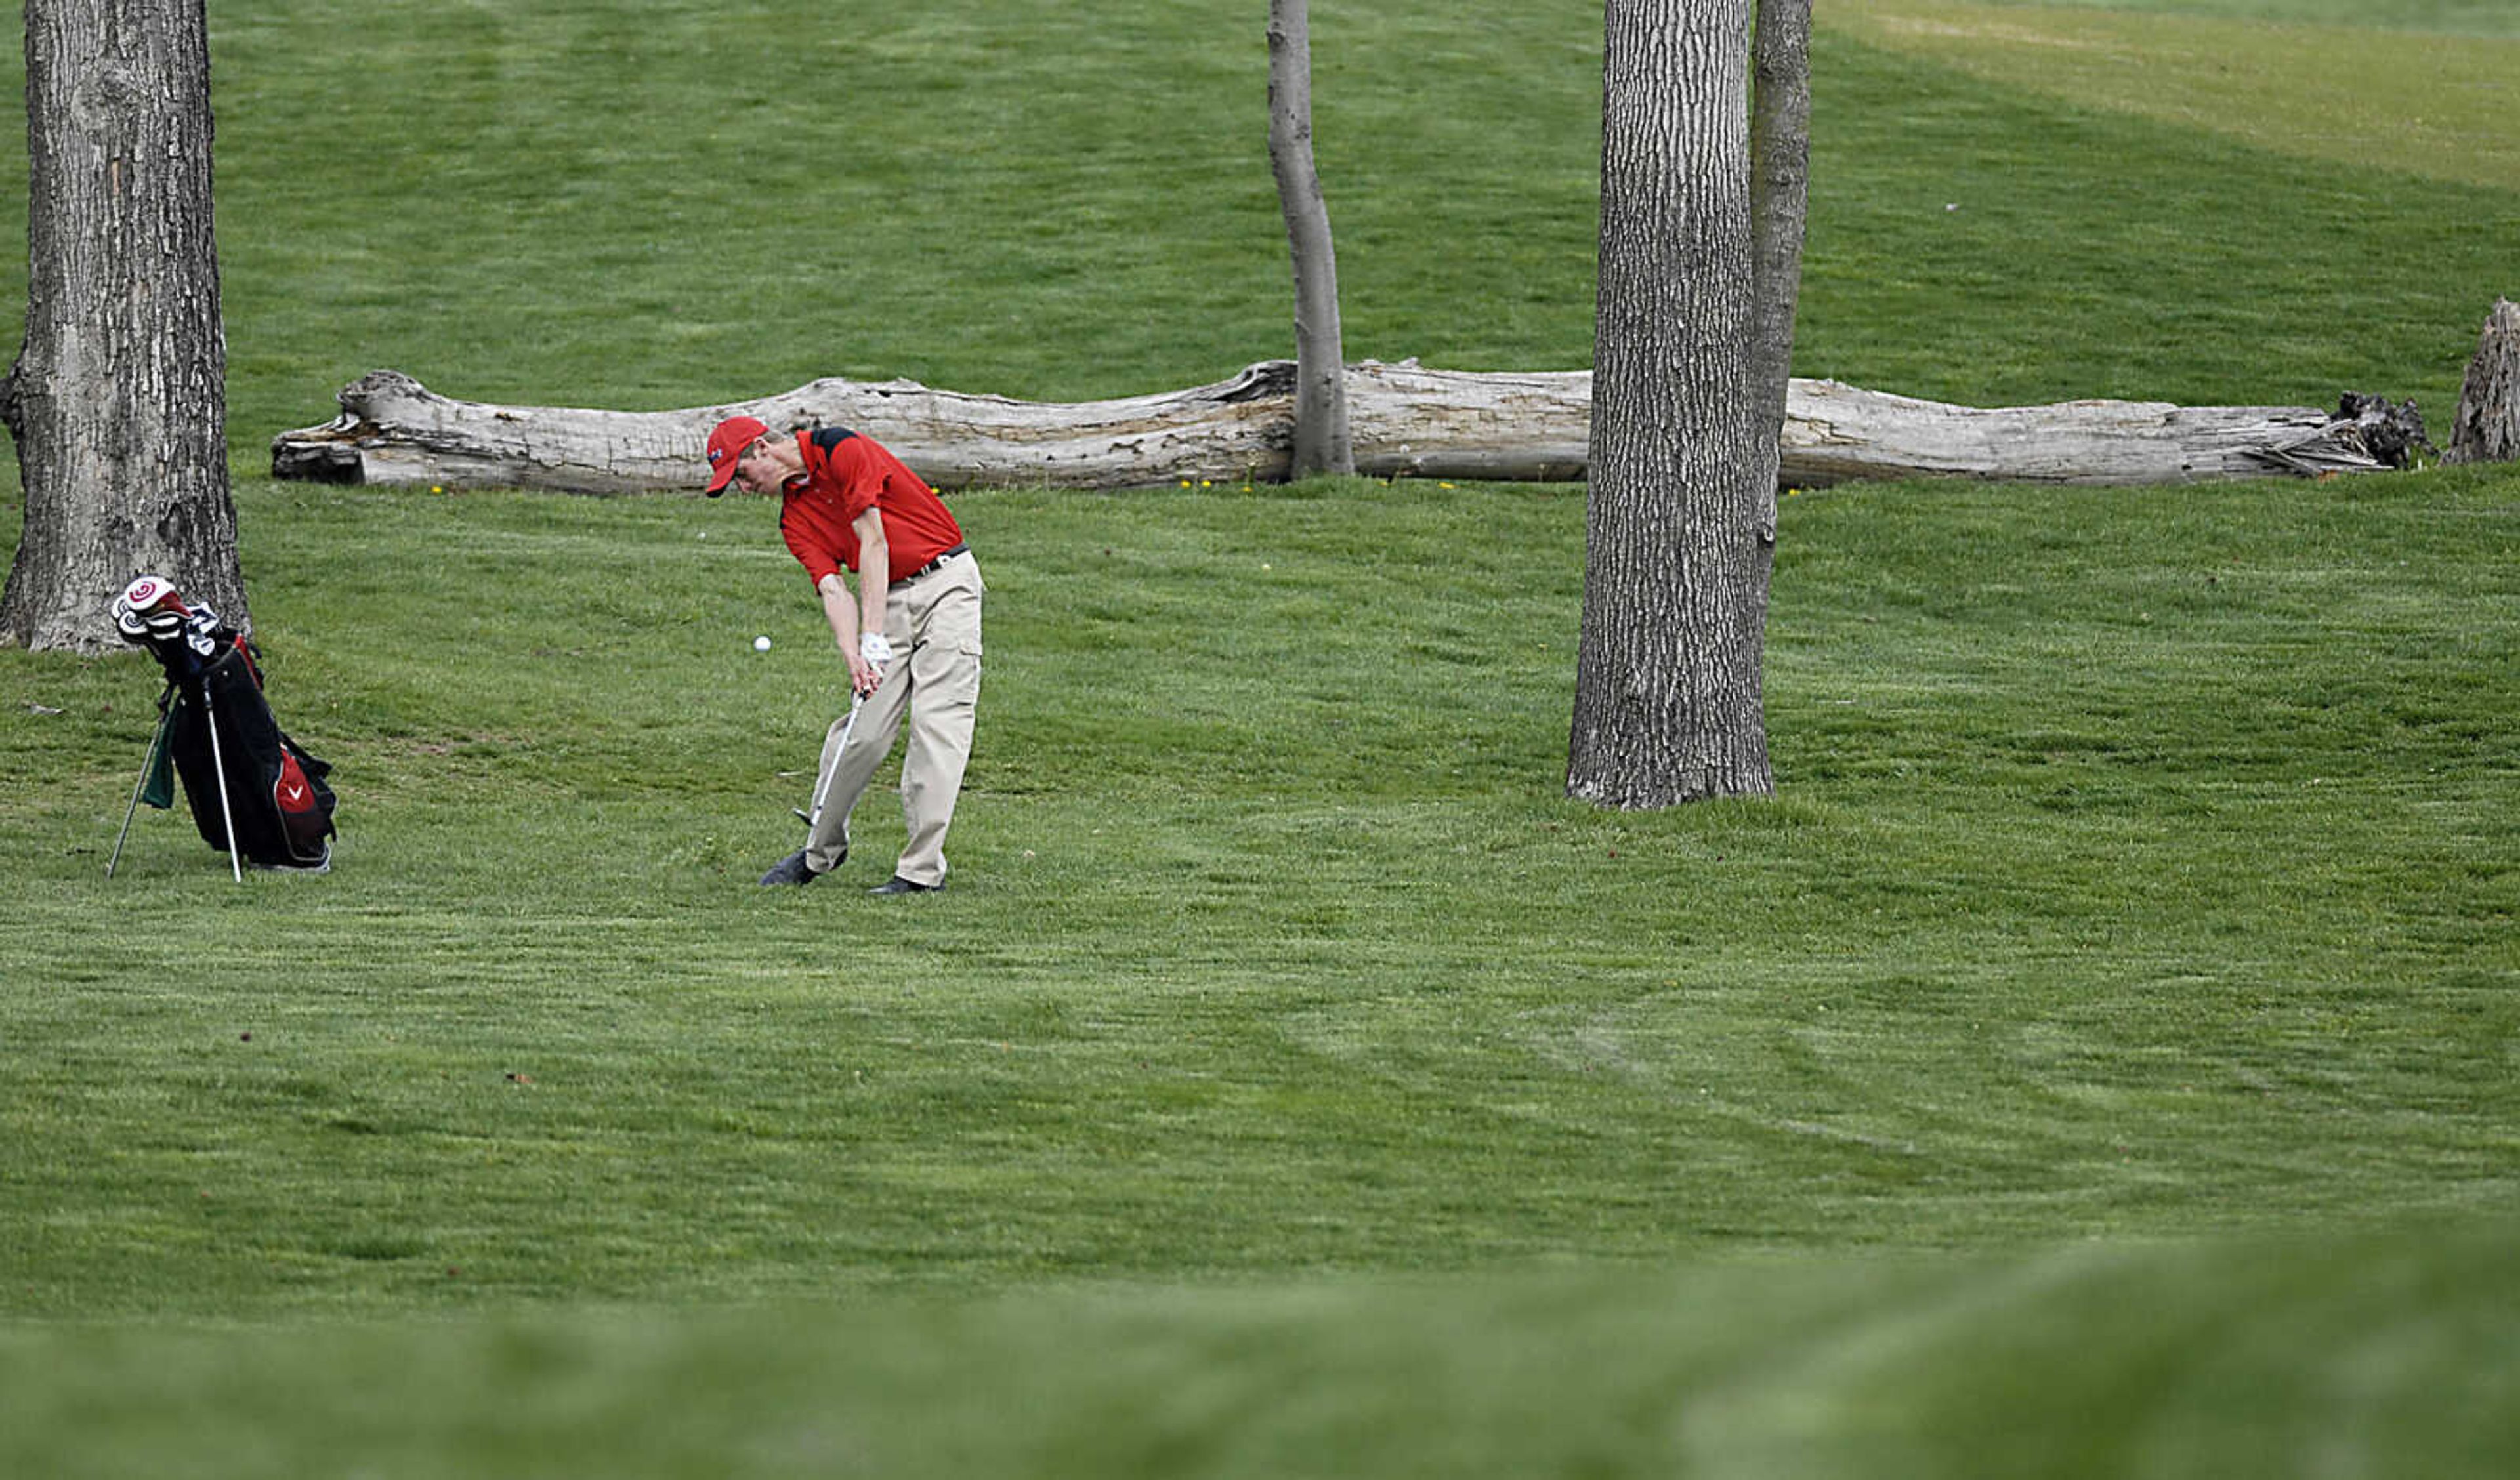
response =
{"points": [[1779, 208], [1321, 442], [117, 397], [1668, 705]]}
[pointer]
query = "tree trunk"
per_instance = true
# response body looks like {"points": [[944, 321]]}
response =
{"points": [[2487, 428], [1668, 706], [117, 397], [1409, 422], [1779, 208], [1321, 442]]}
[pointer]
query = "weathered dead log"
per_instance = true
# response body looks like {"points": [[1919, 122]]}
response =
{"points": [[2394, 433], [392, 430], [1406, 420], [1835, 432], [2487, 428]]}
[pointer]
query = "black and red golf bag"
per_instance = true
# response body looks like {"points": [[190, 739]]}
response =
{"points": [[253, 791]]}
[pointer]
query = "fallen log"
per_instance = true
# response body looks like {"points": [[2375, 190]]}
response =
{"points": [[1406, 420], [393, 429]]}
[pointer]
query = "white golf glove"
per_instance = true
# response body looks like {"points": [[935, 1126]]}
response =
{"points": [[874, 648]]}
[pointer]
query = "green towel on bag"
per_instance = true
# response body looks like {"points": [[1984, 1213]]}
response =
{"points": [[159, 789]]}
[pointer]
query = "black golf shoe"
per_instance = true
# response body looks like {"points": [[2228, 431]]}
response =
{"points": [[900, 885], [791, 870]]}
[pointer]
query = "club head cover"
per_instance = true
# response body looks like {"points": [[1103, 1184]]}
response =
{"points": [[149, 611]]}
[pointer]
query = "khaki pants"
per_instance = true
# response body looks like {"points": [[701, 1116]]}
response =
{"points": [[933, 624]]}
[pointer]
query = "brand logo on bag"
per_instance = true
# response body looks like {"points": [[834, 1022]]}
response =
{"points": [[290, 789]]}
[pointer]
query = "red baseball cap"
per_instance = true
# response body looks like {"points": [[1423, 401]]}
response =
{"points": [[726, 446]]}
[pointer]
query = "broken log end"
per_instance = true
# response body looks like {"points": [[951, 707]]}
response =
{"points": [[311, 462], [2486, 429]]}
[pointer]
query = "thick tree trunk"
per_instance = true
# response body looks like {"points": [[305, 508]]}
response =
{"points": [[1409, 422], [1321, 442], [116, 399], [1668, 705], [2487, 428]]}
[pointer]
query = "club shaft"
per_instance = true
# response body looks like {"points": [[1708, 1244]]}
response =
{"points": [[220, 768], [821, 784]]}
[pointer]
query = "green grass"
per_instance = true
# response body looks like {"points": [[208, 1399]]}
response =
{"points": [[630, 205], [2270, 1357], [2142, 873], [2464, 17], [2098, 1060], [2425, 102]]}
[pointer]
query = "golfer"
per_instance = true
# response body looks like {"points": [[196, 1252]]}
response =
{"points": [[911, 635]]}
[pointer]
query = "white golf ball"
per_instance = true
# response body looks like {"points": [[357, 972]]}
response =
{"points": [[761, 645]]}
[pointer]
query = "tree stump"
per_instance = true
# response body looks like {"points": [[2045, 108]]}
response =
{"points": [[2487, 428]]}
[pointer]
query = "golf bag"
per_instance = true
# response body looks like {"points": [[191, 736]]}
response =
{"points": [[254, 792]]}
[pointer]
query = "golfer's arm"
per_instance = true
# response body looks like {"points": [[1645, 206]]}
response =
{"points": [[875, 570], [840, 609]]}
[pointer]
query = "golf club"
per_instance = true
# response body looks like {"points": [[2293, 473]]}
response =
{"points": [[848, 727]]}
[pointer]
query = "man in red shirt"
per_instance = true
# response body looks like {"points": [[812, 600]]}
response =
{"points": [[911, 634]]}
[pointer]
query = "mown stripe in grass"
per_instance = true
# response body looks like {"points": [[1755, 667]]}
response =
{"points": [[2386, 1354], [2445, 107]]}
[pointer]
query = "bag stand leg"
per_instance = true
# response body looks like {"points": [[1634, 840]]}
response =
{"points": [[219, 764], [165, 718]]}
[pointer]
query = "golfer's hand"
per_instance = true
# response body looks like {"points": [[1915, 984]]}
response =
{"points": [[868, 663]]}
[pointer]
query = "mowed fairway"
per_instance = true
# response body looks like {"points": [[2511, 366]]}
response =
{"points": [[2099, 1059]]}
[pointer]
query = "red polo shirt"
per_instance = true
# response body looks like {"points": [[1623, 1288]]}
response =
{"points": [[845, 475]]}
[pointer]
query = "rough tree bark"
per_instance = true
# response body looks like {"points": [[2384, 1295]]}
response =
{"points": [[1408, 421], [1322, 443], [2487, 428], [116, 400], [1780, 208], [1668, 705]]}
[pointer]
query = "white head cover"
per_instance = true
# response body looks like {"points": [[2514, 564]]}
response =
{"points": [[146, 593]]}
